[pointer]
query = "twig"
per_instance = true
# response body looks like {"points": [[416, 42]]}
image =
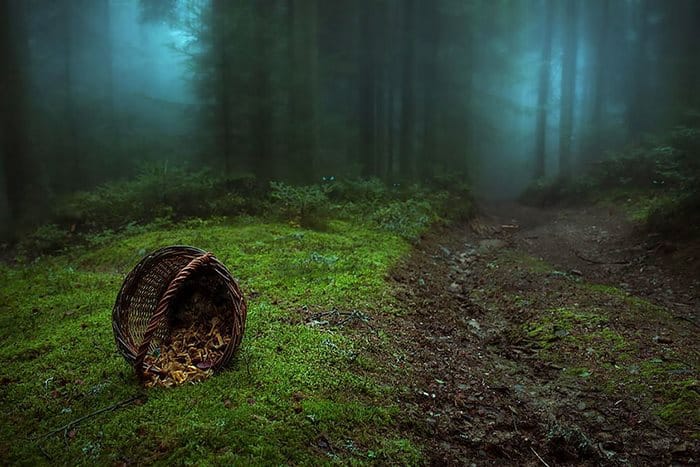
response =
{"points": [[593, 261], [539, 457], [246, 359], [75, 422], [691, 321]]}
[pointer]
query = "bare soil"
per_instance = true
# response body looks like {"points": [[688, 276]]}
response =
{"points": [[550, 337]]}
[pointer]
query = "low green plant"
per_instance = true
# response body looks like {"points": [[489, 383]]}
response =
{"points": [[307, 206], [158, 193], [367, 191], [408, 219], [48, 238]]}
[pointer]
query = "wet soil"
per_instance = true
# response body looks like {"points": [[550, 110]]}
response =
{"points": [[550, 337]]}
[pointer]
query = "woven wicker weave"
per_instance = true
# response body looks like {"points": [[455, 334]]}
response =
{"points": [[146, 299]]}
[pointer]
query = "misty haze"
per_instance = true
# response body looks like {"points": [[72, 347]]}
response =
{"points": [[404, 232]]}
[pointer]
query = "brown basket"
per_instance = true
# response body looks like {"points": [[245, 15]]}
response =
{"points": [[142, 314]]}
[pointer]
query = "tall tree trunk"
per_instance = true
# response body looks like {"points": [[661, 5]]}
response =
{"points": [[307, 80], [115, 161], [406, 150], [543, 92], [368, 126], [222, 67], [637, 110], [568, 88], [74, 173], [13, 87], [431, 89], [599, 83], [261, 155]]}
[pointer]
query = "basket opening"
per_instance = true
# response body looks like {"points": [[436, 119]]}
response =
{"points": [[195, 334]]}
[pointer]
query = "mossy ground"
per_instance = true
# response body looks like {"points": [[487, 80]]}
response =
{"points": [[293, 394], [600, 336]]}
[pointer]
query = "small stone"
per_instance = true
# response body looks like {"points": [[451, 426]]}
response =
{"points": [[455, 288], [663, 340]]}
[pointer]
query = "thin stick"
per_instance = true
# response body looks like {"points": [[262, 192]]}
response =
{"points": [[71, 424], [691, 321], [538, 456], [593, 261]]}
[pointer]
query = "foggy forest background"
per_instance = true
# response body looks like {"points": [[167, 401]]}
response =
{"points": [[497, 92]]}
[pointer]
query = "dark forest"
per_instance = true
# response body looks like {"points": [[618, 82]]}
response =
{"points": [[464, 231]]}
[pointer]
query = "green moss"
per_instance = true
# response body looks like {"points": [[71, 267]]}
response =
{"points": [[523, 260], [288, 386], [635, 304], [685, 407], [563, 323]]}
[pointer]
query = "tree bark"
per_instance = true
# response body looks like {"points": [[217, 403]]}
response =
{"points": [[368, 125], [568, 89], [431, 89], [543, 92], [262, 110], [224, 119], [13, 143], [599, 81], [406, 149]]}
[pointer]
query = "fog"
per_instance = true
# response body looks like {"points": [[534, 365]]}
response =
{"points": [[495, 93]]}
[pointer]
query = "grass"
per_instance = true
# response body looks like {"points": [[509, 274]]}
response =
{"points": [[293, 394]]}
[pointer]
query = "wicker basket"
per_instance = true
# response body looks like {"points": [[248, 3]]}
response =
{"points": [[143, 313]]}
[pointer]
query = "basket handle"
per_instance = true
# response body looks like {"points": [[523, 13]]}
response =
{"points": [[163, 306]]}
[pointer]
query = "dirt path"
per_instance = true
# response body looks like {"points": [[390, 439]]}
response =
{"points": [[556, 337]]}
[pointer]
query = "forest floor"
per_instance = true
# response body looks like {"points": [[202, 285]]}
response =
{"points": [[527, 336], [558, 336]]}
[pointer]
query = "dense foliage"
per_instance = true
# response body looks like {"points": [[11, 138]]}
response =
{"points": [[659, 179], [160, 198], [495, 92]]}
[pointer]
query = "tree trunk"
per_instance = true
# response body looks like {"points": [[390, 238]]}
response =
{"points": [[260, 162], [115, 162], [599, 81], [74, 174], [367, 94], [568, 89], [543, 93], [222, 65], [307, 53], [431, 90], [13, 143], [406, 151], [637, 110]]}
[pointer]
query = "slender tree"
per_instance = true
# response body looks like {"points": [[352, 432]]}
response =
{"points": [[304, 96], [599, 79], [261, 86], [431, 89], [543, 91], [568, 87], [222, 81], [407, 135], [637, 110], [13, 106], [368, 126]]}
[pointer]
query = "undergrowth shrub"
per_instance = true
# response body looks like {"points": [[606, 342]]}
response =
{"points": [[307, 206], [660, 177], [369, 191], [176, 193], [408, 219], [161, 199], [48, 238]]}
